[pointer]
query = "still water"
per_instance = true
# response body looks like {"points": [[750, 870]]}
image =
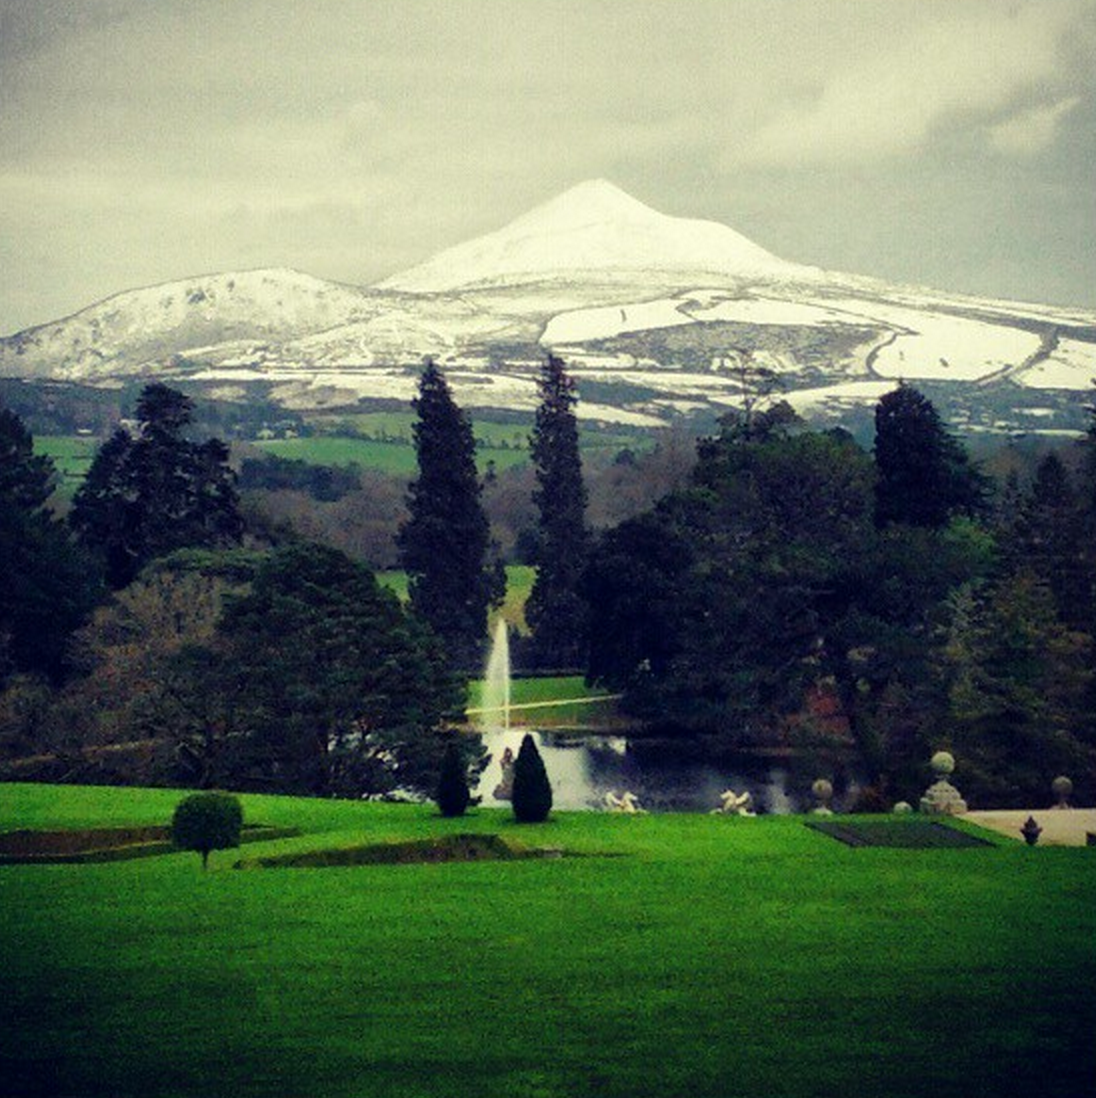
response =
{"points": [[582, 770]]}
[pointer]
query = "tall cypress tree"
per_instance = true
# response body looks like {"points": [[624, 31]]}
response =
{"points": [[924, 474], [556, 610], [445, 542]]}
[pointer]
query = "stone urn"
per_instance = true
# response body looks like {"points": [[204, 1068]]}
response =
{"points": [[1062, 788], [942, 798]]}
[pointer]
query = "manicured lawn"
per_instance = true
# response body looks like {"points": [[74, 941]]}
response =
{"points": [[711, 956]]}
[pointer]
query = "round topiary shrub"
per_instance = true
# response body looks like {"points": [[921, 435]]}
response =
{"points": [[207, 821], [532, 796], [453, 795]]}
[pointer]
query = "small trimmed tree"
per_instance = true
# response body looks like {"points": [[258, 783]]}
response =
{"points": [[453, 795], [532, 796], [207, 821]]}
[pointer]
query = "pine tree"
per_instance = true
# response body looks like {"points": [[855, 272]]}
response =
{"points": [[48, 586], [453, 796], [532, 795], [147, 495], [1048, 539], [26, 478], [924, 474], [556, 610], [444, 544]]}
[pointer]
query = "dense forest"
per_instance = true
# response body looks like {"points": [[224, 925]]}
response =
{"points": [[190, 619]]}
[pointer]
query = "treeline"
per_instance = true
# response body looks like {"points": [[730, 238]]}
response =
{"points": [[780, 587], [157, 637], [872, 607]]}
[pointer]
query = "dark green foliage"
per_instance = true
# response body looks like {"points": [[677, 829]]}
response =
{"points": [[532, 794], [444, 544], [1050, 537], [319, 682], [322, 482], [1017, 683], [453, 795], [924, 475], [556, 610], [147, 495], [26, 479], [711, 608], [48, 586], [207, 821]]}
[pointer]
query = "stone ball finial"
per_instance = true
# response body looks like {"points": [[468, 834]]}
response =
{"points": [[1062, 788], [943, 763], [822, 789]]}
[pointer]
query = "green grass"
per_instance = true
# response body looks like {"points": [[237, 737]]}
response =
{"points": [[553, 694], [396, 458], [72, 456], [713, 956]]}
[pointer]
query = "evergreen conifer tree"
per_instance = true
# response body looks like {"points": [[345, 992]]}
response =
{"points": [[924, 474], [532, 794], [48, 585], [556, 610], [148, 495], [445, 542], [453, 796]]}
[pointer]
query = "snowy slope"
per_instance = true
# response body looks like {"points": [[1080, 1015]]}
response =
{"points": [[126, 332], [593, 227]]}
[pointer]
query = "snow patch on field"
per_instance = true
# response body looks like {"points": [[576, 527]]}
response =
{"points": [[941, 347], [1072, 365]]}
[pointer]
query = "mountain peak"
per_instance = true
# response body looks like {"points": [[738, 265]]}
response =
{"points": [[591, 200], [591, 229]]}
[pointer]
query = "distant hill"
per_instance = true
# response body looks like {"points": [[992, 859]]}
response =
{"points": [[658, 318]]}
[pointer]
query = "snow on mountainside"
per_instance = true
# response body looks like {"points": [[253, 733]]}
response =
{"points": [[654, 315], [127, 332], [593, 227]]}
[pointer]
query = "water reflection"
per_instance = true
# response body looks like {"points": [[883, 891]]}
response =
{"points": [[583, 769]]}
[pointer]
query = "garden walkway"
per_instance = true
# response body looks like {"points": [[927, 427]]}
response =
{"points": [[1061, 827]]}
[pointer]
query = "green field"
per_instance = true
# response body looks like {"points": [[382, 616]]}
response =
{"points": [[707, 956], [397, 458], [72, 456]]}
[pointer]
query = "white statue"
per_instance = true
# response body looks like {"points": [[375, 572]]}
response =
{"points": [[734, 804], [626, 802]]}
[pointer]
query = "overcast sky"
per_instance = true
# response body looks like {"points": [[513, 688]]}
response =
{"points": [[947, 143]]}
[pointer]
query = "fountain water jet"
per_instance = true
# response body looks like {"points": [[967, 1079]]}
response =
{"points": [[493, 718], [496, 684]]}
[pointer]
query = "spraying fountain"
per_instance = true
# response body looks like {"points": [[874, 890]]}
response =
{"points": [[579, 779], [493, 720], [496, 684]]}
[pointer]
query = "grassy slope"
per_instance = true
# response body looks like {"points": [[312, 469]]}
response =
{"points": [[718, 956]]}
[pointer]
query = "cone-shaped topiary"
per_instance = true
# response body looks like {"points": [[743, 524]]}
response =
{"points": [[532, 797], [453, 795], [207, 821]]}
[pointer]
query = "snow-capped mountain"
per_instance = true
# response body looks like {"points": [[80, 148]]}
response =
{"points": [[655, 316], [593, 228]]}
